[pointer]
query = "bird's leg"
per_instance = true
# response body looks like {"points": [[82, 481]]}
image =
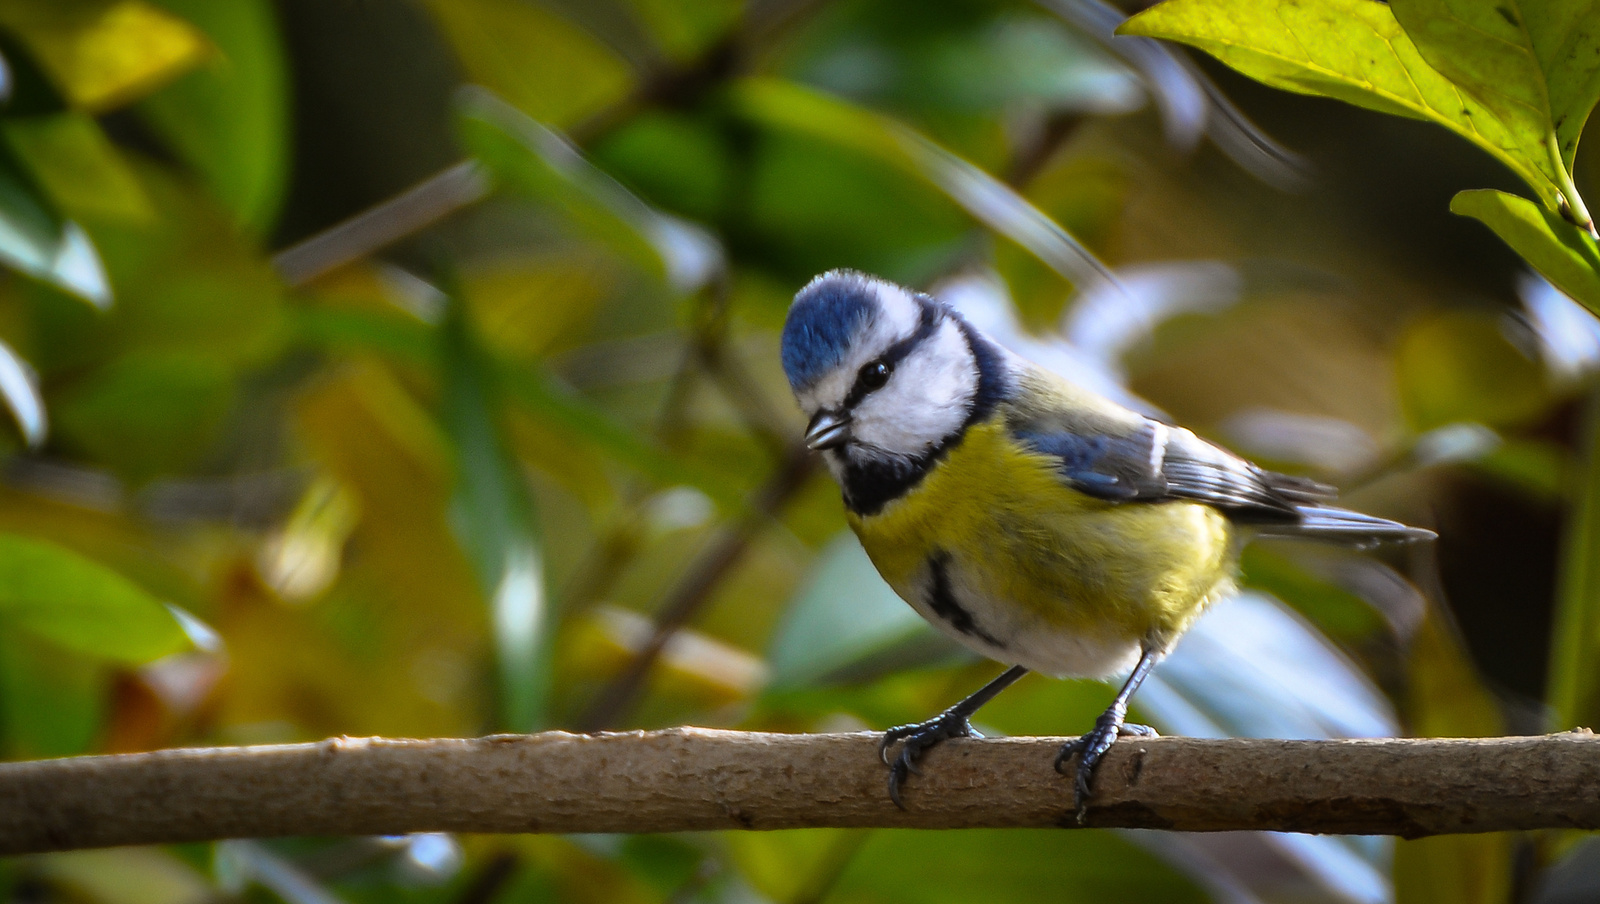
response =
{"points": [[952, 723], [1092, 746]]}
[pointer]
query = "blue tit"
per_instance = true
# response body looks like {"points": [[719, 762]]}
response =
{"points": [[1041, 525]]}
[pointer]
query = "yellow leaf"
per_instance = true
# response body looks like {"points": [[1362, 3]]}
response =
{"points": [[105, 53], [546, 66]]}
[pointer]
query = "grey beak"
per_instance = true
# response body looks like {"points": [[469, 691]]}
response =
{"points": [[828, 430]]}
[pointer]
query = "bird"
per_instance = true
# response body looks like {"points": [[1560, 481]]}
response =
{"points": [[1038, 523]]}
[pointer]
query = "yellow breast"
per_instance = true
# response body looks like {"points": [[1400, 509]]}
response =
{"points": [[1033, 554]]}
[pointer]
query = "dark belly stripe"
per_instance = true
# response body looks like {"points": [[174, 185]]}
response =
{"points": [[942, 600]]}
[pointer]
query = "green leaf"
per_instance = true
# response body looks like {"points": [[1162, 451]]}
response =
{"points": [[684, 28], [526, 155], [1536, 63], [791, 107], [1560, 251], [52, 701], [1354, 51], [495, 521], [528, 384], [230, 119], [1335, 610], [147, 413], [82, 605], [78, 166], [104, 53], [1006, 865], [1574, 681]]}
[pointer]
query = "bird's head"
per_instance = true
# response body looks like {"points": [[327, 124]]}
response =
{"points": [[883, 373]]}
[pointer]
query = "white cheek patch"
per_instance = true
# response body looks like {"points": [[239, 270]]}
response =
{"points": [[926, 399]]}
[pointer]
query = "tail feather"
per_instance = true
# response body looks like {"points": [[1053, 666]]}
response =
{"points": [[1298, 489], [1325, 522]]}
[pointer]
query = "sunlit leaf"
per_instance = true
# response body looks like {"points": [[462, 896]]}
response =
{"points": [[82, 605], [1350, 50], [19, 386], [1560, 251], [230, 118], [789, 106], [76, 164], [1536, 63], [104, 53], [548, 67]]}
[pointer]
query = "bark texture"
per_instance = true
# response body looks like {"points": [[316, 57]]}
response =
{"points": [[698, 779]]}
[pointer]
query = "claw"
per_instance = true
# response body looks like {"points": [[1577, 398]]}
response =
{"points": [[919, 738], [1089, 749]]}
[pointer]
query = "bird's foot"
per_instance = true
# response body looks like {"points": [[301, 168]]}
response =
{"points": [[918, 738], [1091, 747]]}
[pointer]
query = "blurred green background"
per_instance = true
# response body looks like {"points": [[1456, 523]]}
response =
{"points": [[514, 451]]}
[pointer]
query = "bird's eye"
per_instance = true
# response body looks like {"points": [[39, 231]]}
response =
{"points": [[874, 375]]}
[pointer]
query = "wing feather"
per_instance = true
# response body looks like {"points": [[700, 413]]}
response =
{"points": [[1114, 454], [1156, 462]]}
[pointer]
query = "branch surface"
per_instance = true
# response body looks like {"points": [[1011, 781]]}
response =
{"points": [[693, 779]]}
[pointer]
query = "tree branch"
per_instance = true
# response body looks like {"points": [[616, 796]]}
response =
{"points": [[692, 779]]}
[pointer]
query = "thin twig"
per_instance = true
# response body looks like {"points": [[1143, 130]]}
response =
{"points": [[691, 779], [419, 207]]}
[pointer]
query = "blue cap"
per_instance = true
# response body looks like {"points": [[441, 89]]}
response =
{"points": [[827, 314]]}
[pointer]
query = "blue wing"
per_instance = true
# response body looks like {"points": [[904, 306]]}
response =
{"points": [[1156, 462]]}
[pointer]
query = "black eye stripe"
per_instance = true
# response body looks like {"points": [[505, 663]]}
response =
{"points": [[894, 354]]}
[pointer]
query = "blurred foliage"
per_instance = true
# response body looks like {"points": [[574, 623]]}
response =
{"points": [[452, 469]]}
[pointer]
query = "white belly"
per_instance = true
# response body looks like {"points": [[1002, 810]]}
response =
{"points": [[1009, 633]]}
